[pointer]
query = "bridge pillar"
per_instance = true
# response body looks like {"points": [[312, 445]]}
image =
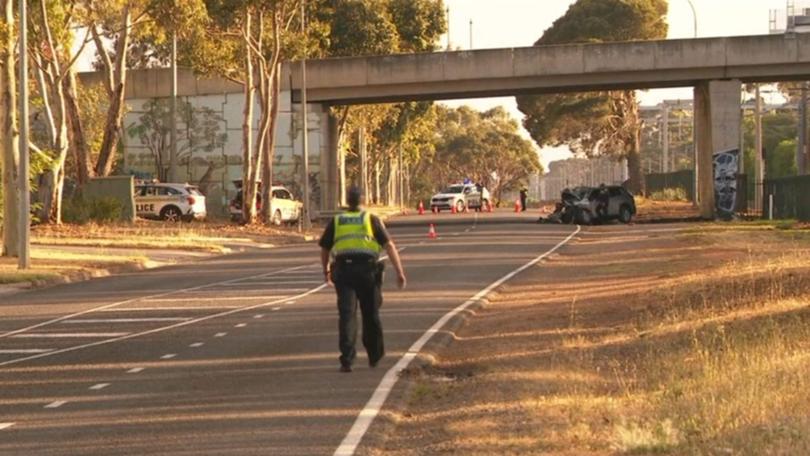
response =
{"points": [[717, 129], [331, 187]]}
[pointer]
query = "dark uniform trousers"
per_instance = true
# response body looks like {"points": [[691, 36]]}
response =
{"points": [[359, 280]]}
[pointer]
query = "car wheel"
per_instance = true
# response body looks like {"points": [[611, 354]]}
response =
{"points": [[625, 214], [276, 220], [170, 214], [460, 206]]}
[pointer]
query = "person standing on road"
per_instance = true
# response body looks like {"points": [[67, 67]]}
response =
{"points": [[356, 239], [524, 196]]}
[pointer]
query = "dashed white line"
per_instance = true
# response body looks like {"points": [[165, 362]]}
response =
{"points": [[123, 320], [258, 316], [135, 370], [168, 356], [152, 309], [223, 334], [99, 386], [289, 303], [275, 309], [65, 335], [197, 299], [55, 404], [25, 351], [240, 325], [196, 345], [6, 425]]}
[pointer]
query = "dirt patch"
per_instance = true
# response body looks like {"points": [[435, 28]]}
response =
{"points": [[634, 340]]}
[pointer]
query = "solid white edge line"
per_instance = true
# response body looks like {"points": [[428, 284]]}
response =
{"points": [[372, 408], [158, 295], [6, 425], [164, 328], [24, 351]]}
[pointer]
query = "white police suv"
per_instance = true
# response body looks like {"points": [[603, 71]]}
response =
{"points": [[169, 202]]}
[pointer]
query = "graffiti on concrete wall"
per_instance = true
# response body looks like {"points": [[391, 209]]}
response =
{"points": [[726, 167]]}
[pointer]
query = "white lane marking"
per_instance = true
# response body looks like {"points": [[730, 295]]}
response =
{"points": [[223, 334], [289, 303], [152, 309], [275, 309], [267, 282], [122, 320], [6, 425], [240, 325], [258, 316], [99, 386], [198, 298], [168, 356], [66, 335], [372, 408], [158, 295], [196, 345], [159, 330], [25, 351], [135, 370], [55, 404]]}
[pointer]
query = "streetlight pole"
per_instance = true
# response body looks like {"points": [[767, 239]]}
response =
{"points": [[173, 113], [25, 190], [801, 150], [305, 122], [448, 28], [694, 16], [471, 34]]}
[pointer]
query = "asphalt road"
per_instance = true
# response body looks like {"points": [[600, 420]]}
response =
{"points": [[229, 355]]}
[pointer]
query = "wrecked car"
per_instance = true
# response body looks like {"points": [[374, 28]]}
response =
{"points": [[593, 205]]}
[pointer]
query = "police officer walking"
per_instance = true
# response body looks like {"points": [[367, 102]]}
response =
{"points": [[356, 239]]}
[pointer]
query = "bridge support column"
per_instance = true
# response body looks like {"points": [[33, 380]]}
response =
{"points": [[717, 129], [331, 191]]}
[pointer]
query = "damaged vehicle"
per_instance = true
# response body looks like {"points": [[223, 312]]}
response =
{"points": [[593, 205]]}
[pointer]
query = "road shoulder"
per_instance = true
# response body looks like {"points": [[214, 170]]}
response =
{"points": [[618, 344]]}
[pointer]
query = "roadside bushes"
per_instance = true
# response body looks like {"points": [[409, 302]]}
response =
{"points": [[81, 210], [670, 194]]}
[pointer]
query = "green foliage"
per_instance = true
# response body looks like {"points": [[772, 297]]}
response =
{"points": [[781, 162], [595, 123], [81, 210], [362, 28]]}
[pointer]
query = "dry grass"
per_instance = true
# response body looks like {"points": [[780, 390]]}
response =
{"points": [[52, 264], [656, 355]]}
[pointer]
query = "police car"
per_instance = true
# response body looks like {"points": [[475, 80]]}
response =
{"points": [[285, 208], [169, 202], [460, 197]]}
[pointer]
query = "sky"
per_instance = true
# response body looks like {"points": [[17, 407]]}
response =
{"points": [[516, 23]]}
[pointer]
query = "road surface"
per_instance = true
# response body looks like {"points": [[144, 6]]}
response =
{"points": [[229, 355]]}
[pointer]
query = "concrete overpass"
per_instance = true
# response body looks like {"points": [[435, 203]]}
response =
{"points": [[715, 67]]}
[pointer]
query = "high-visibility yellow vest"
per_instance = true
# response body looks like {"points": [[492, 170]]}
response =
{"points": [[354, 235]]}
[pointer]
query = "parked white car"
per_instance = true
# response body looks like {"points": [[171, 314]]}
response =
{"points": [[461, 196], [284, 208], [169, 202]]}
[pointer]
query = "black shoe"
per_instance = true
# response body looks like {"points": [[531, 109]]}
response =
{"points": [[373, 363], [345, 368]]}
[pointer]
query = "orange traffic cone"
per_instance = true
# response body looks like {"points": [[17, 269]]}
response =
{"points": [[453, 209], [432, 232], [421, 208], [517, 205]]}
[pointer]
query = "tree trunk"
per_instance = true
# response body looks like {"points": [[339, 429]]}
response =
{"points": [[115, 113], [78, 141], [248, 190], [9, 136], [270, 145]]}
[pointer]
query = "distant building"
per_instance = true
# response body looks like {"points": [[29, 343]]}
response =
{"points": [[795, 18]]}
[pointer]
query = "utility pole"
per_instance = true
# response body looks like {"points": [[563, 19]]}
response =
{"points": [[304, 121], [401, 176], [758, 159], [665, 138], [471, 34], [24, 261], [173, 113], [801, 149], [448, 28]]}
